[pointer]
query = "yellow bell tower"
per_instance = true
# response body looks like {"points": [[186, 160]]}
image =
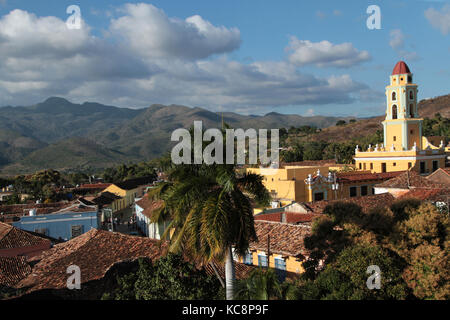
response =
{"points": [[402, 126], [404, 147]]}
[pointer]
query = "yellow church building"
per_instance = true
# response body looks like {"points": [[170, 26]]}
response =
{"points": [[404, 147]]}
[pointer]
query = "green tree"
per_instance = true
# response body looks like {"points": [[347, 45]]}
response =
{"points": [[168, 278], [262, 284], [211, 212]]}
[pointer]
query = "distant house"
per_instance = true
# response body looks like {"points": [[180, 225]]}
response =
{"points": [[279, 246], [440, 176], [144, 208], [65, 224], [16, 242], [129, 190], [305, 212]]}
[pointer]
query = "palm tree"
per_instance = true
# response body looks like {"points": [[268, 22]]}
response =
{"points": [[262, 284], [211, 212]]}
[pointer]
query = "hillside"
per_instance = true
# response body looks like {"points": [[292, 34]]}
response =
{"points": [[45, 135], [427, 109], [73, 154]]}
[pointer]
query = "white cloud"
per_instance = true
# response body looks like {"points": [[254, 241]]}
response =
{"points": [[41, 57], [397, 42], [151, 33], [325, 53], [439, 19]]}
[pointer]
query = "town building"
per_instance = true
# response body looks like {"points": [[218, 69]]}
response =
{"points": [[144, 208], [65, 224], [128, 191], [16, 242], [404, 146]]}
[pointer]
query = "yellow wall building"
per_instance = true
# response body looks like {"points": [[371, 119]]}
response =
{"points": [[404, 147]]}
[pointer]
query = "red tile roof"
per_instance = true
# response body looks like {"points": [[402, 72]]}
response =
{"points": [[352, 177], [286, 239], [11, 237], [367, 203], [408, 179], [433, 195], [308, 163], [95, 252], [401, 68], [291, 217], [13, 270], [149, 205]]}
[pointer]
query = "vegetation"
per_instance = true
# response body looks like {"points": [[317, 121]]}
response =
{"points": [[126, 172], [168, 278], [409, 242], [211, 212]]}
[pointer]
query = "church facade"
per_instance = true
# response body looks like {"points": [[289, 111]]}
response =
{"points": [[404, 147]]}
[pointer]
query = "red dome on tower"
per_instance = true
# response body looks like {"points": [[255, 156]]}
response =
{"points": [[401, 68]]}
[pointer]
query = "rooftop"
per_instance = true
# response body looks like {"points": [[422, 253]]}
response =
{"points": [[285, 239], [134, 183], [409, 179], [351, 177], [401, 68], [148, 205], [13, 270], [11, 237]]}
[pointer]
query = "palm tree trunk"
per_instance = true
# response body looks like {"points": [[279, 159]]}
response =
{"points": [[229, 274]]}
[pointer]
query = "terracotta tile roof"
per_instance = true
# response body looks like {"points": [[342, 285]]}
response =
{"points": [[134, 183], [149, 205], [42, 208], [13, 270], [105, 198], [366, 202], [352, 177], [401, 68], [11, 237], [407, 180], [291, 217], [433, 195], [286, 239], [95, 252]]}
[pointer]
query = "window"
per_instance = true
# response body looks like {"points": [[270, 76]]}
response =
{"points": [[422, 167], [76, 231], [248, 258], [41, 231], [409, 79], [411, 95], [411, 131], [318, 196], [353, 192], [394, 164], [373, 190], [360, 166], [409, 165], [383, 167], [435, 165], [394, 111], [395, 138], [280, 269], [394, 96], [364, 190], [371, 166], [262, 260]]}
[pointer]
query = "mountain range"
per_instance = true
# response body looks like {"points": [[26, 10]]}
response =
{"points": [[62, 135]]}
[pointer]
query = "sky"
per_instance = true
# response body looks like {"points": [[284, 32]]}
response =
{"points": [[251, 57]]}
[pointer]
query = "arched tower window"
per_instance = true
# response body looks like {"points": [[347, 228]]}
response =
{"points": [[394, 96], [411, 95], [411, 111], [394, 111]]}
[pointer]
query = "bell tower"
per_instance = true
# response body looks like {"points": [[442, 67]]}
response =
{"points": [[402, 125]]}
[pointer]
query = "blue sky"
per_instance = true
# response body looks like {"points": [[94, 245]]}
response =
{"points": [[253, 56]]}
